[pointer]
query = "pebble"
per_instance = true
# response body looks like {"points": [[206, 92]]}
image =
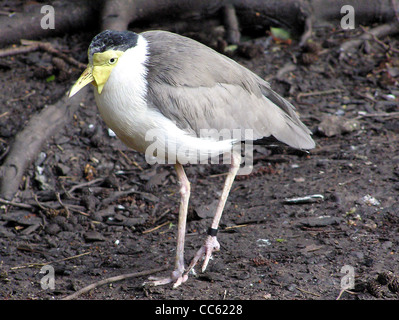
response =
{"points": [[52, 229], [91, 236]]}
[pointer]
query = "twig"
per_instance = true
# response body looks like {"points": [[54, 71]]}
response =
{"points": [[318, 93], [378, 114], [4, 114], [18, 50], [16, 204], [218, 175], [32, 265], [162, 215], [236, 226], [113, 279], [130, 161], [85, 184], [39, 204], [305, 291], [24, 97], [30, 45], [57, 194], [155, 228], [305, 199], [46, 46], [342, 291], [78, 211], [288, 67]]}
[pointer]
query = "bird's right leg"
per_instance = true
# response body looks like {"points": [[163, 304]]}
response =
{"points": [[178, 276]]}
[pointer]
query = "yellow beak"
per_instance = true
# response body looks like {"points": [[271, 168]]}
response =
{"points": [[85, 78]]}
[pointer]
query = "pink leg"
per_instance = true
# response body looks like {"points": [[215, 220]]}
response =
{"points": [[211, 243], [177, 275]]}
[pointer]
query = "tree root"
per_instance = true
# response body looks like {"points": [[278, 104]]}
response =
{"points": [[30, 140]]}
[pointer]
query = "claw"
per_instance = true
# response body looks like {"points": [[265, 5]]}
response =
{"points": [[177, 277], [211, 245]]}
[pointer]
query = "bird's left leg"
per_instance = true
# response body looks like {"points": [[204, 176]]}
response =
{"points": [[211, 242], [178, 276]]}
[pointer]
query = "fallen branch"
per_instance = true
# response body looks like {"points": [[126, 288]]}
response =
{"points": [[386, 47], [29, 142], [377, 32], [113, 279]]}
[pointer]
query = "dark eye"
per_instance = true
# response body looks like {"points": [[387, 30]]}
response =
{"points": [[113, 60]]}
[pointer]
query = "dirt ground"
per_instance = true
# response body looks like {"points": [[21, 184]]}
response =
{"points": [[270, 248]]}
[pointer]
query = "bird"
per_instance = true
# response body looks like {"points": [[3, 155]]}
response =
{"points": [[179, 101]]}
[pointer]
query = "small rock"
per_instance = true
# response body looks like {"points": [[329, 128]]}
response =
{"points": [[22, 217], [130, 222], [321, 221], [4, 233], [332, 125], [30, 229], [387, 245], [385, 277], [62, 170], [92, 236], [291, 287], [206, 211], [393, 285], [249, 51], [52, 229], [370, 201]]}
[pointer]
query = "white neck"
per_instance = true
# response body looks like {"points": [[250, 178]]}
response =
{"points": [[130, 72], [122, 103]]}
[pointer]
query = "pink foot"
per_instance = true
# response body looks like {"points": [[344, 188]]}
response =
{"points": [[211, 245], [177, 277]]}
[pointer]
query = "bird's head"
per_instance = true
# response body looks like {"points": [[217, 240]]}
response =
{"points": [[104, 52]]}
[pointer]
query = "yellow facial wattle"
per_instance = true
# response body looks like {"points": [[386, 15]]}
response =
{"points": [[98, 71]]}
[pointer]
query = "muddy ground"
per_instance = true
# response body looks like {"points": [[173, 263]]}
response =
{"points": [[270, 249]]}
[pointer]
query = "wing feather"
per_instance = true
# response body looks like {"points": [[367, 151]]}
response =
{"points": [[207, 90]]}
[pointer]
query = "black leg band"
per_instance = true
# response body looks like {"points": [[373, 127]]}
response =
{"points": [[212, 232]]}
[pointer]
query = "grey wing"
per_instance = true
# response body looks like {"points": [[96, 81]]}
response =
{"points": [[205, 90]]}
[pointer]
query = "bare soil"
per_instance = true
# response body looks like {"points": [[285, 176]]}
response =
{"points": [[270, 249]]}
